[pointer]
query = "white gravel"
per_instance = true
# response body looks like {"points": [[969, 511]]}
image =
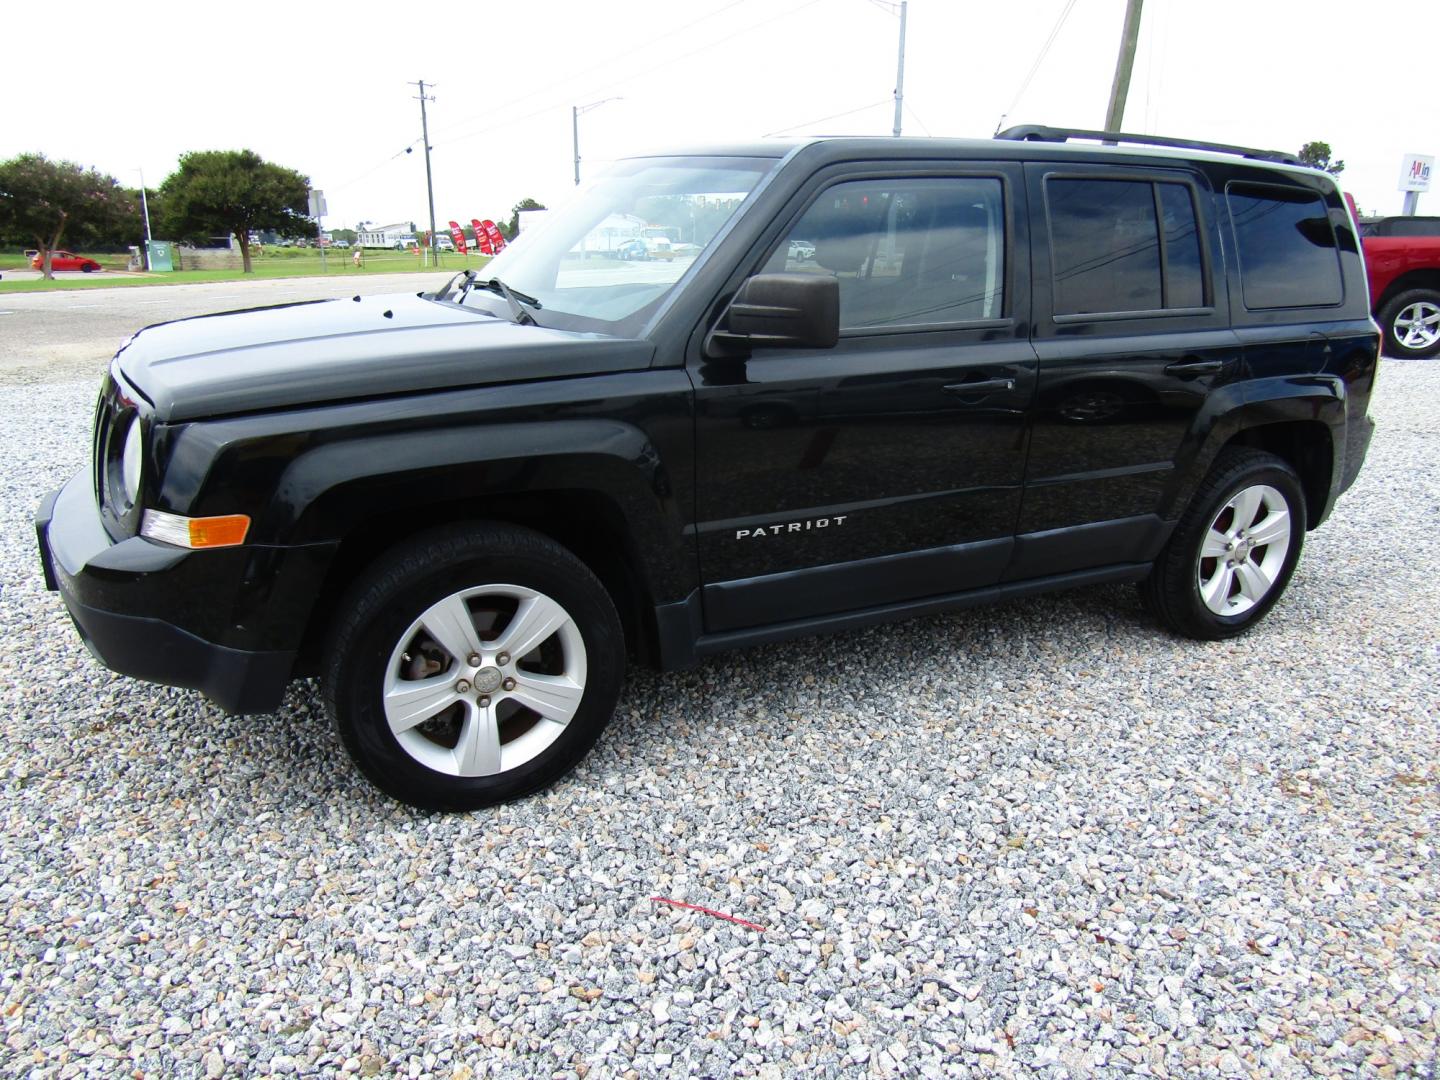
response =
{"points": [[1038, 838]]}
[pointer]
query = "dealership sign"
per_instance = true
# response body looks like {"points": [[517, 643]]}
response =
{"points": [[1415, 170]]}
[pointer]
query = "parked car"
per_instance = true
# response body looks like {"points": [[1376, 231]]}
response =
{"points": [[631, 249], [340, 243], [1402, 259], [65, 260], [464, 511], [658, 247], [800, 250]]}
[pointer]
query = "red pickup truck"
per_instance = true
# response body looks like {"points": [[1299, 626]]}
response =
{"points": [[1402, 259]]}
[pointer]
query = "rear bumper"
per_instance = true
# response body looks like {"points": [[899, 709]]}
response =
{"points": [[143, 608], [1357, 444]]}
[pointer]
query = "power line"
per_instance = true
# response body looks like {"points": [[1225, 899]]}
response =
{"points": [[374, 169], [823, 119], [914, 116], [608, 62], [600, 89], [1040, 59]]}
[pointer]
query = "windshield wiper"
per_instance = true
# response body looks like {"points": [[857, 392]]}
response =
{"points": [[513, 298], [468, 275]]}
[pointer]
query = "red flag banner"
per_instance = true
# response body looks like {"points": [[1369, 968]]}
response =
{"points": [[458, 235], [482, 238], [497, 238]]}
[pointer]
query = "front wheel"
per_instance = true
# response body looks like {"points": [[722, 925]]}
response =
{"points": [[1411, 322], [472, 666], [1233, 551]]}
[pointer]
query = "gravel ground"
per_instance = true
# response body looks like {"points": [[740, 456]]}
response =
{"points": [[1038, 838]]}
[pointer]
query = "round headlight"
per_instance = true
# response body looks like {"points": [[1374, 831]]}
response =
{"points": [[130, 462]]}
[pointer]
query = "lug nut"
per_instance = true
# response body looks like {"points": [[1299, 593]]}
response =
{"points": [[484, 701], [463, 686], [503, 658], [508, 684], [473, 659]]}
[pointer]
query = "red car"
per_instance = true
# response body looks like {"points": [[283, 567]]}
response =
{"points": [[1403, 263], [65, 260]]}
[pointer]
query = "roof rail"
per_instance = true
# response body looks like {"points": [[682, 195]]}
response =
{"points": [[1041, 133]]}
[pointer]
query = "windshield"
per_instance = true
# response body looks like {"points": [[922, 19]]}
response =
{"points": [[607, 259]]}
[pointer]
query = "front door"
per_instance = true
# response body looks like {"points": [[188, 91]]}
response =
{"points": [[889, 467]]}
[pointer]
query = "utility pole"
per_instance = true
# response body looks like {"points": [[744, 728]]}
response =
{"points": [[145, 209], [1120, 88], [575, 113], [429, 182], [900, 72]]}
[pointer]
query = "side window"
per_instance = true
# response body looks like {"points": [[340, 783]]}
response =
{"points": [[1286, 246], [1123, 245], [1184, 270], [910, 252]]}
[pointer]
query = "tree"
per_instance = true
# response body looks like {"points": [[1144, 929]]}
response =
{"points": [[513, 227], [1317, 156], [45, 201], [235, 191]]}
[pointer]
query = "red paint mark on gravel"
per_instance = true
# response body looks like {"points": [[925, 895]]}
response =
{"points": [[708, 911]]}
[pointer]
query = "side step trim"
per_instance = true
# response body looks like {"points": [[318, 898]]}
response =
{"points": [[709, 644]]}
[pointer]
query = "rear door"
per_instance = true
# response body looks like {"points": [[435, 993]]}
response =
{"points": [[889, 467], [1132, 332]]}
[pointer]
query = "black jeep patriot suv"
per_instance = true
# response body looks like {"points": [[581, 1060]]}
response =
{"points": [[875, 378]]}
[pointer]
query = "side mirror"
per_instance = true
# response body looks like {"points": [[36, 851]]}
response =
{"points": [[785, 310]]}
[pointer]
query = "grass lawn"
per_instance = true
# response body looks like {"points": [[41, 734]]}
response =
{"points": [[274, 263]]}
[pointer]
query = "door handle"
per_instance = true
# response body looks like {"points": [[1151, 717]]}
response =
{"points": [[1196, 367], [985, 386]]}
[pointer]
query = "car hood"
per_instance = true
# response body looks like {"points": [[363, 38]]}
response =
{"points": [[333, 350]]}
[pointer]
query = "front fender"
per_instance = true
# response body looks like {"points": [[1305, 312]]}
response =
{"points": [[314, 477]]}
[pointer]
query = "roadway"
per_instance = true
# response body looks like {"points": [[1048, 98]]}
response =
{"points": [[51, 336]]}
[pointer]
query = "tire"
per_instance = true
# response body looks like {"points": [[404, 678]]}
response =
{"points": [[88, 268], [484, 732], [1412, 317], [1195, 589]]}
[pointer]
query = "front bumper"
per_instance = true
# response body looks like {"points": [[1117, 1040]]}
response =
{"points": [[151, 611]]}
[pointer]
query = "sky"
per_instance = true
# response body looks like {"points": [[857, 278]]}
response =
{"points": [[324, 87]]}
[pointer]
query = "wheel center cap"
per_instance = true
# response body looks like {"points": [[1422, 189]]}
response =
{"points": [[487, 680], [1243, 550]]}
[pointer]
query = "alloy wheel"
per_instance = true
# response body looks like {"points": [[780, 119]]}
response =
{"points": [[484, 680], [1244, 550], [1417, 325]]}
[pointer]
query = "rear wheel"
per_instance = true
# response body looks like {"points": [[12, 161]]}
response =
{"points": [[472, 666], [1234, 550], [1411, 322]]}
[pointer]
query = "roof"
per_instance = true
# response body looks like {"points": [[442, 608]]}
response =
{"points": [[849, 147]]}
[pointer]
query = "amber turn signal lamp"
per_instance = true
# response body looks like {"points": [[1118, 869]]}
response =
{"points": [[205, 532]]}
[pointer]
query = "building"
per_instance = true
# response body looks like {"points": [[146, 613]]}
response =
{"points": [[399, 235]]}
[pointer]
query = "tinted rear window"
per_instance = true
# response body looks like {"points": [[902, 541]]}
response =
{"points": [[1105, 246], [1286, 247], [1124, 245]]}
